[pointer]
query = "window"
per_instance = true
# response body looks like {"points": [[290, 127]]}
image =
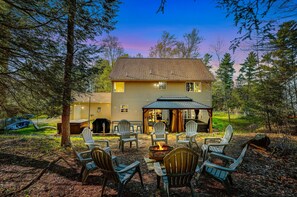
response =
{"points": [[124, 108], [193, 86], [119, 87], [161, 85]]}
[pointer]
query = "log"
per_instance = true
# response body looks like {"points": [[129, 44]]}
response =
{"points": [[260, 140]]}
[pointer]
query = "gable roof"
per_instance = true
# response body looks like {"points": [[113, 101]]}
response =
{"points": [[160, 69]]}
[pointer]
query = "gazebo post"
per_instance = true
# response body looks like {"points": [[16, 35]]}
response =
{"points": [[210, 120]]}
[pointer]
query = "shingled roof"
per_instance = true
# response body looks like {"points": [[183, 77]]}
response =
{"points": [[160, 69]]}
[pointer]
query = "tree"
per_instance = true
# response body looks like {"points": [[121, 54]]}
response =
{"points": [[218, 49], [101, 81], [189, 48], [257, 18], [282, 64], [165, 48], [225, 75], [139, 55], [40, 43], [247, 75], [206, 60], [112, 48], [84, 17]]}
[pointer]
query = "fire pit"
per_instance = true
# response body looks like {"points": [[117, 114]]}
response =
{"points": [[158, 152]]}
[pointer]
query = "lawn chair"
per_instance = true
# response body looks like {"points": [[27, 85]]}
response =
{"points": [[120, 174], [222, 173], [126, 135], [189, 137], [89, 141], [87, 164], [217, 145], [179, 167], [159, 133]]}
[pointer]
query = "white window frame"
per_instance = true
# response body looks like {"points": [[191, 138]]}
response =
{"points": [[196, 87], [124, 108]]}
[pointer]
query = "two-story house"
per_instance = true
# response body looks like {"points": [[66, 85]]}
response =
{"points": [[161, 89]]}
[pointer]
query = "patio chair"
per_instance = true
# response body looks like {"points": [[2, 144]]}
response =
{"points": [[179, 167], [217, 145], [87, 164], [119, 174], [126, 135], [159, 133], [89, 141], [188, 137], [222, 173]]}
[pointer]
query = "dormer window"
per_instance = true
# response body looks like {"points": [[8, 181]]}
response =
{"points": [[193, 87]]}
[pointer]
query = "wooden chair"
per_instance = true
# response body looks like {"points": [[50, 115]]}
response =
{"points": [[222, 173], [120, 174], [179, 167], [159, 133], [217, 145], [87, 135], [126, 135], [189, 137]]}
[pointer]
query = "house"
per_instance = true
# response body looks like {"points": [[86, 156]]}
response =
{"points": [[147, 90], [91, 106]]}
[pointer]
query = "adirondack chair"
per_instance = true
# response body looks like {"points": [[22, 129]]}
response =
{"points": [[159, 133], [87, 164], [119, 174], [179, 167], [222, 173], [89, 141], [126, 135], [217, 145], [189, 137]]}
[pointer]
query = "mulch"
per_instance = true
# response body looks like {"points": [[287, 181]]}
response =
{"points": [[262, 173]]}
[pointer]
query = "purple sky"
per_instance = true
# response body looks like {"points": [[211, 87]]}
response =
{"points": [[139, 27]]}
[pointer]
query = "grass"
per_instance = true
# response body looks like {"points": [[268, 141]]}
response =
{"points": [[239, 122]]}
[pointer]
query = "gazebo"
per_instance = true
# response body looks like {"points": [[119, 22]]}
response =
{"points": [[175, 105]]}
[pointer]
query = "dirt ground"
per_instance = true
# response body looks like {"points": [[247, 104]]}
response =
{"points": [[22, 159]]}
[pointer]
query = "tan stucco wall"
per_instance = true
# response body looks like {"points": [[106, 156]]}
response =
{"points": [[94, 114], [139, 94]]}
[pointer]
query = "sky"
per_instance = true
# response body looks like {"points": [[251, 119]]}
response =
{"points": [[139, 26]]}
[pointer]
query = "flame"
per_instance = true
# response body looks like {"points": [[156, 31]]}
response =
{"points": [[160, 147]]}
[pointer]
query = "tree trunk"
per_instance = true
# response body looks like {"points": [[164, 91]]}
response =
{"points": [[65, 141]]}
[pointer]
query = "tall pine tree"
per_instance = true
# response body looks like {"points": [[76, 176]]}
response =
{"points": [[225, 75]]}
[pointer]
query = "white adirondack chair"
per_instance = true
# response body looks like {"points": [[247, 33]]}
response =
{"points": [[217, 145], [89, 141], [159, 133], [222, 173], [126, 135], [189, 137]]}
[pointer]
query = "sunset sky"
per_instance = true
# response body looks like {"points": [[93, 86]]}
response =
{"points": [[139, 25]]}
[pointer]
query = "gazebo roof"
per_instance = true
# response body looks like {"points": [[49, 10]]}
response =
{"points": [[175, 103]]}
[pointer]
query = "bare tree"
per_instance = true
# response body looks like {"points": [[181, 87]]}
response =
{"points": [[112, 48], [218, 49], [166, 47], [189, 48]]}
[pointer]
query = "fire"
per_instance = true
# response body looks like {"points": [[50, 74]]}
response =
{"points": [[160, 147]]}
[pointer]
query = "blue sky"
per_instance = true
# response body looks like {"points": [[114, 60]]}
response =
{"points": [[139, 26]]}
